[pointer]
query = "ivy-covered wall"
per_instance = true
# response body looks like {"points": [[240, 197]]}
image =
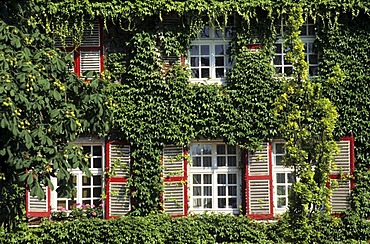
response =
{"points": [[152, 106]]}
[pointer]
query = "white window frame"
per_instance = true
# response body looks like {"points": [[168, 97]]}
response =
{"points": [[96, 172], [308, 36], [215, 171], [278, 168], [211, 37]]}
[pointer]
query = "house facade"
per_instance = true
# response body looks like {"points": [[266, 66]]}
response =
{"points": [[207, 175]]}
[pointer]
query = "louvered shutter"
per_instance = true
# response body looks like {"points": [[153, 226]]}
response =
{"points": [[117, 191], [36, 207], [258, 185], [175, 176], [344, 163]]}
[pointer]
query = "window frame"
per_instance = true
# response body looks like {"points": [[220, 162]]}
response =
{"points": [[214, 171]]}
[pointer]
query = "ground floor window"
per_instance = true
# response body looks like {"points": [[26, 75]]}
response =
{"points": [[214, 178]]}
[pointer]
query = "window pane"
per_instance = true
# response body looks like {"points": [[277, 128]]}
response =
{"points": [[232, 203], [221, 191], [221, 179], [197, 179], [313, 59], [97, 151], [61, 203], [207, 149], [220, 73], [281, 191], [313, 71], [197, 203], [207, 203], [86, 192], [207, 179], [86, 149], [281, 202], [278, 160], [196, 150], [197, 161], [279, 148], [86, 181], [204, 49], [231, 178], [194, 73], [222, 202], [218, 33], [231, 149], [194, 50], [311, 30], [97, 163], [219, 50], [220, 61], [278, 60], [288, 70], [221, 149], [204, 61], [278, 48], [231, 161], [290, 178], [86, 201], [232, 190], [97, 180], [205, 32], [207, 161], [194, 61], [207, 191], [280, 178], [197, 191], [97, 192], [221, 161]]}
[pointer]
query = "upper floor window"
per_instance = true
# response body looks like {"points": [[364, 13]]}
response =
{"points": [[214, 178], [308, 36], [89, 55], [208, 55]]}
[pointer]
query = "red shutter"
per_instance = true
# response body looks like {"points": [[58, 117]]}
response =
{"points": [[175, 181], [258, 184], [344, 163], [117, 191], [36, 207]]}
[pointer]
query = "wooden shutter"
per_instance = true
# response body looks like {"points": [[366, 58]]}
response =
{"points": [[36, 207], [258, 185], [342, 174], [117, 191], [175, 181]]}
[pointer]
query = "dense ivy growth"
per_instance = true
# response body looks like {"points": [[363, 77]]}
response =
{"points": [[153, 105]]}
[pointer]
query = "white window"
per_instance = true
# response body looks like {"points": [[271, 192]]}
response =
{"points": [[282, 178], [308, 35], [88, 189], [214, 178], [208, 55]]}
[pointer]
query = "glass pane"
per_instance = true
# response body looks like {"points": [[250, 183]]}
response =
{"points": [[207, 161], [221, 179], [204, 49], [231, 149], [221, 161], [61, 203], [97, 151], [97, 163], [219, 50], [207, 179], [194, 50], [194, 73], [281, 191], [290, 178], [278, 70], [311, 30], [279, 148], [86, 181], [280, 178], [204, 61], [278, 48], [207, 149], [222, 202], [197, 191], [288, 70], [278, 160], [97, 202], [205, 32], [231, 161], [281, 202], [313, 70], [228, 32], [194, 61], [97, 180], [88, 201], [197, 161], [97, 192], [197, 179], [218, 33], [313, 59], [303, 30], [232, 190], [207, 190], [231, 178], [86, 192], [196, 150], [220, 149], [220, 73], [86, 149], [310, 47], [278, 60], [221, 191], [232, 203], [207, 203], [71, 204], [197, 203]]}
